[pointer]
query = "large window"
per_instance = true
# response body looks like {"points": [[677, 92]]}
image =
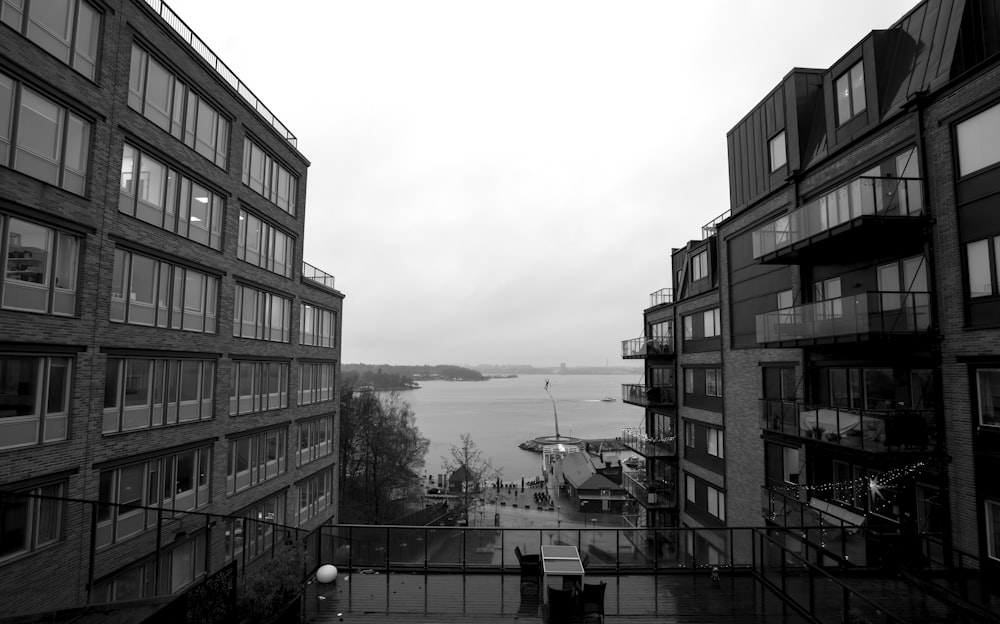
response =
{"points": [[256, 458], [978, 141], [707, 324], [33, 520], [161, 97], [252, 534], [776, 148], [850, 93], [177, 482], [992, 509], [268, 178], [140, 393], [258, 387], [319, 326], [261, 315], [988, 386], [862, 388], [42, 268], [316, 382], [66, 29], [699, 266], [261, 244], [716, 448], [315, 495], [315, 439], [34, 399], [147, 291], [181, 563], [159, 195], [713, 382], [983, 258], [42, 138]]}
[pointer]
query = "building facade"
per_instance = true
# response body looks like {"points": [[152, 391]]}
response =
{"points": [[857, 285], [162, 342]]}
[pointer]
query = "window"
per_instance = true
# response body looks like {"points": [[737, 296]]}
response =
{"points": [[33, 520], [689, 439], [141, 393], [867, 388], [988, 384], [180, 565], [34, 399], [776, 148], [713, 382], [258, 387], [315, 439], [992, 509], [66, 29], [161, 97], [850, 93], [699, 266], [828, 291], [177, 482], [689, 381], [261, 244], [316, 382], [146, 291], [707, 324], [315, 495], [268, 178], [689, 488], [713, 322], [256, 458], [850, 488], [261, 315], [715, 446], [978, 141], [319, 326], [42, 268], [983, 258], [717, 503], [156, 194], [252, 534], [41, 138]]}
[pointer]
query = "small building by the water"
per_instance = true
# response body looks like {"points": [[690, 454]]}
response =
{"points": [[593, 491]]}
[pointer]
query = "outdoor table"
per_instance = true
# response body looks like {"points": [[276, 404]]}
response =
{"points": [[561, 566]]}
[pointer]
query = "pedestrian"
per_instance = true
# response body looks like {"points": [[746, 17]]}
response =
{"points": [[715, 574]]}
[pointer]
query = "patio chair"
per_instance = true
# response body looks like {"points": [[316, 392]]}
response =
{"points": [[531, 571], [593, 601], [560, 605]]}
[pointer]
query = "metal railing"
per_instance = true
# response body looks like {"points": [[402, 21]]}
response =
{"points": [[643, 346], [873, 312], [712, 227], [863, 196], [872, 430], [313, 274], [661, 296], [641, 395], [648, 492], [184, 31], [637, 440]]}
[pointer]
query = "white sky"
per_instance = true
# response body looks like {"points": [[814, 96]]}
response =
{"points": [[502, 182]]}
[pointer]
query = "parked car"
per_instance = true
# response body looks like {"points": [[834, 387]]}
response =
{"points": [[435, 491]]}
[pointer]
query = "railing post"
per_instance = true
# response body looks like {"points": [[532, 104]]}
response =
{"points": [[388, 538], [93, 550], [350, 548], [159, 543], [426, 538]]}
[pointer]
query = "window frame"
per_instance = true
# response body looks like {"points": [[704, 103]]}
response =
{"points": [[993, 371], [854, 105], [36, 499], [967, 129], [699, 266], [48, 425], [181, 298], [260, 467], [775, 150], [75, 53], [263, 305], [991, 517], [63, 251], [163, 377]]}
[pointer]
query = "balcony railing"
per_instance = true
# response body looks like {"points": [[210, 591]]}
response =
{"points": [[313, 274], [634, 348], [657, 493], [872, 430], [864, 196], [864, 314], [639, 394], [663, 295], [178, 26], [637, 440], [712, 227]]}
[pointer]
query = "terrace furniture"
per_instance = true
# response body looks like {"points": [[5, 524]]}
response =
{"points": [[531, 571], [562, 566], [560, 605], [593, 601]]}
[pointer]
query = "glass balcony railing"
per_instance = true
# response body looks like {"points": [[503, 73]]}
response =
{"points": [[641, 395], [863, 196], [641, 347], [872, 430], [863, 314], [313, 274], [637, 440], [663, 295], [649, 493]]}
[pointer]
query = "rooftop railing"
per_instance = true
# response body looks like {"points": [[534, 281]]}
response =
{"points": [[177, 24], [663, 295], [313, 274], [863, 196], [712, 227], [862, 314], [637, 440]]}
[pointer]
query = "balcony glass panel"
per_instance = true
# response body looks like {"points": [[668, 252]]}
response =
{"points": [[864, 313], [643, 346], [637, 440], [640, 394], [649, 492], [664, 295], [901, 197]]}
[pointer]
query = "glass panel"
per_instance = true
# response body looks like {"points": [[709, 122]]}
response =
{"points": [[64, 301], [136, 79], [980, 276], [50, 26], [6, 106], [858, 88], [979, 141], [137, 382], [58, 389], [29, 255], [151, 189], [39, 133], [843, 99], [75, 162], [989, 396], [159, 94], [199, 219], [142, 289], [14, 525], [194, 298], [88, 28], [49, 522]]}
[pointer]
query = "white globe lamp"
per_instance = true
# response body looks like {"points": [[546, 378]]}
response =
{"points": [[326, 573]]}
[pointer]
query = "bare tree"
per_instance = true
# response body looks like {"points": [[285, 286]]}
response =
{"points": [[474, 468]]}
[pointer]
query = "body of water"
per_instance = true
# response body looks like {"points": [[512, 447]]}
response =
{"points": [[502, 413]]}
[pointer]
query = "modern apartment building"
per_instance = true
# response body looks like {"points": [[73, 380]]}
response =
{"points": [[162, 342], [858, 308]]}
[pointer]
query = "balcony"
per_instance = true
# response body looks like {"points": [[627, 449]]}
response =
{"points": [[313, 274], [854, 318], [660, 297], [637, 440], [637, 348], [888, 211], [651, 494], [639, 394], [869, 430]]}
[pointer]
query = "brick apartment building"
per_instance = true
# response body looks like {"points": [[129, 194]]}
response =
{"points": [[162, 342], [838, 343]]}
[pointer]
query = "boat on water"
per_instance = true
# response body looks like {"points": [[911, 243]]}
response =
{"points": [[608, 399]]}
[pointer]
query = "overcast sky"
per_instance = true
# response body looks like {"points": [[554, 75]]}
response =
{"points": [[502, 182]]}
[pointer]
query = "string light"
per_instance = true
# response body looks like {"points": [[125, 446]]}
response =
{"points": [[640, 435]]}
